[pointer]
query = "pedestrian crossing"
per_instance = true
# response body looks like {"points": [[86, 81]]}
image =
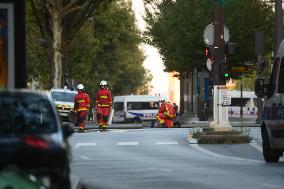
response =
{"points": [[125, 143]]}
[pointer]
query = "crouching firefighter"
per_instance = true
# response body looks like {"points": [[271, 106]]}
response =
{"points": [[166, 114], [103, 105], [81, 106]]}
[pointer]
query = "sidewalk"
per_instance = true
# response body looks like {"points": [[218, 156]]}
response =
{"points": [[206, 124]]}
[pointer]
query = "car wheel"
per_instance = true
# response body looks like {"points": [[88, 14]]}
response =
{"points": [[153, 124], [270, 155], [61, 179]]}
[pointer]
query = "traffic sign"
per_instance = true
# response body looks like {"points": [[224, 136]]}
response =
{"points": [[208, 34], [209, 64], [226, 98]]}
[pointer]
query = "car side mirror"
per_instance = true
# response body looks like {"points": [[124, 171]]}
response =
{"points": [[259, 88], [68, 129]]}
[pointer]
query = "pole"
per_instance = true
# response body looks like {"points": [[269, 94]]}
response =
{"points": [[241, 110], [219, 43], [220, 113], [279, 24]]}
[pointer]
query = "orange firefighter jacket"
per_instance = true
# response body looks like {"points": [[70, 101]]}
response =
{"points": [[81, 102], [168, 110], [104, 98]]}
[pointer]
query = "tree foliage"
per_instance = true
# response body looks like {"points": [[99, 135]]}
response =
{"points": [[105, 47], [176, 29], [114, 54], [58, 21]]}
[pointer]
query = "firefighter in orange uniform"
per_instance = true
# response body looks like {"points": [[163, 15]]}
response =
{"points": [[81, 106], [166, 114], [103, 105]]}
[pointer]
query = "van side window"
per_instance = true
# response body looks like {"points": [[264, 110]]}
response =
{"points": [[118, 106], [238, 102], [281, 77], [273, 77], [142, 105]]}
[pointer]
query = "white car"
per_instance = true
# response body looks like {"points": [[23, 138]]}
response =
{"points": [[64, 101]]}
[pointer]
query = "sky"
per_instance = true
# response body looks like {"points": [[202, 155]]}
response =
{"points": [[153, 61]]}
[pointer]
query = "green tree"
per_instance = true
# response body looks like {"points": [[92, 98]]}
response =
{"points": [[110, 51], [105, 47], [176, 29], [58, 21]]}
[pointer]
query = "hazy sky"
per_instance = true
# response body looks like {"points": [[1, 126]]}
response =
{"points": [[153, 61]]}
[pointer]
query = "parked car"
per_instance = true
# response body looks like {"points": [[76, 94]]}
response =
{"points": [[64, 101], [272, 120], [32, 137]]}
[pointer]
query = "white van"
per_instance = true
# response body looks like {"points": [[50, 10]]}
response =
{"points": [[248, 102], [64, 101], [135, 108], [272, 125]]}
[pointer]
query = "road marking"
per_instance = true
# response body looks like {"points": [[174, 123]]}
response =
{"points": [[85, 158], [199, 148], [256, 146], [270, 185], [165, 143], [75, 182], [78, 145], [127, 143]]}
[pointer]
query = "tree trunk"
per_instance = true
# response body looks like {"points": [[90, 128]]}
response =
{"points": [[57, 49], [181, 104]]}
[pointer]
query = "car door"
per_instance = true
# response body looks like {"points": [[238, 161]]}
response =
{"points": [[273, 101], [278, 130]]}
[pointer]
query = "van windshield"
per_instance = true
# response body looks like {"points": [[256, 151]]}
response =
{"points": [[63, 96], [143, 105]]}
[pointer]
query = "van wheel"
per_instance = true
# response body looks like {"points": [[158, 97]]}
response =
{"points": [[136, 120], [270, 155]]}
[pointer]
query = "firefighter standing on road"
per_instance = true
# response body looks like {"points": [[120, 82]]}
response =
{"points": [[81, 106], [166, 114], [103, 105]]}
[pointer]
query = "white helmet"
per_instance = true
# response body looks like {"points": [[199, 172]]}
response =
{"points": [[163, 99], [80, 87], [103, 82]]}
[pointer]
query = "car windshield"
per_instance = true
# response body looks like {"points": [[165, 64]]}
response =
{"points": [[26, 115], [63, 96]]}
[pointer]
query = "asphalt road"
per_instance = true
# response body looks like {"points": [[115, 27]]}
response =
{"points": [[163, 158]]}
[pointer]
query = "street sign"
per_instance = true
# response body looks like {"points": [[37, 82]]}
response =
{"points": [[208, 34], [238, 69], [209, 64], [226, 98]]}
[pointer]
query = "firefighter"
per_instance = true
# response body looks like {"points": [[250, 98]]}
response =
{"points": [[81, 106], [103, 105], [166, 114]]}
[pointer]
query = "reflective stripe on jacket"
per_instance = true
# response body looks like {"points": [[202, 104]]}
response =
{"points": [[103, 98]]}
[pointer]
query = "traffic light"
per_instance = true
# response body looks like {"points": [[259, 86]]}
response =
{"points": [[208, 51], [224, 71]]}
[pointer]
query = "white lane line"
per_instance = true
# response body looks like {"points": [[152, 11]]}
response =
{"points": [[75, 182], [127, 143], [256, 146], [165, 143], [85, 158], [78, 145], [197, 147], [267, 185]]}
